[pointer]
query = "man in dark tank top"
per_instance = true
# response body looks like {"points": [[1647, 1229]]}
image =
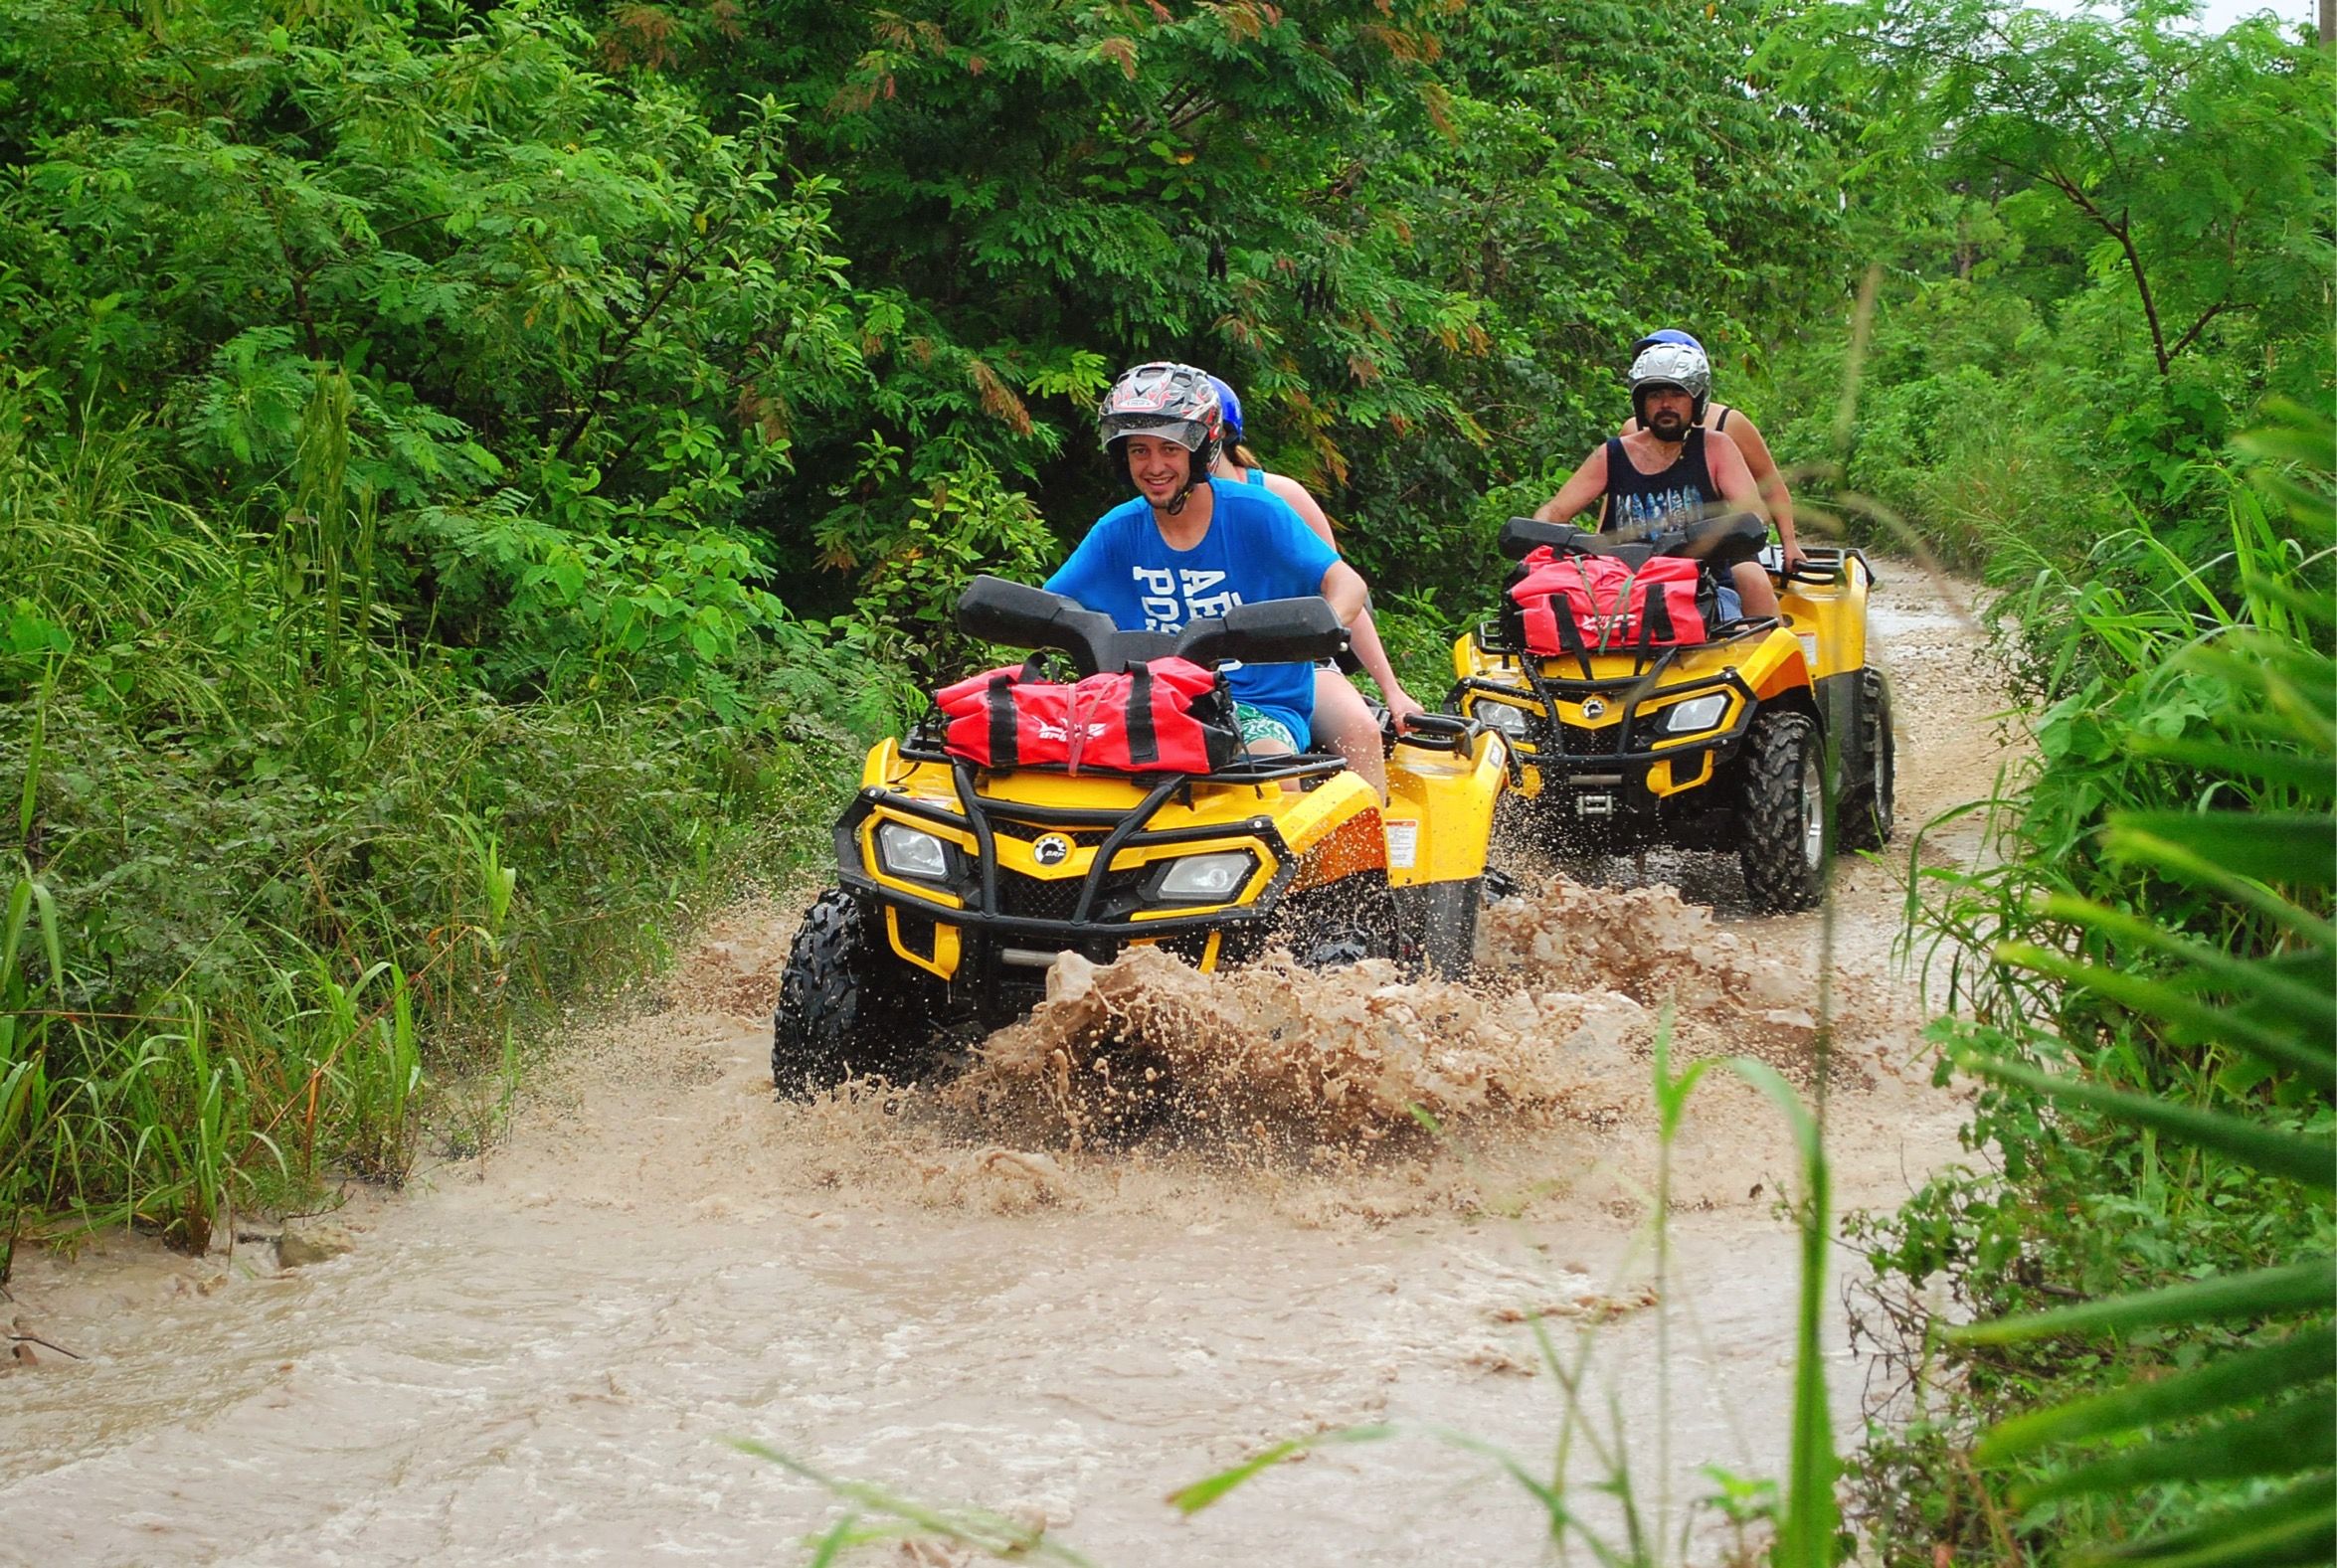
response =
{"points": [[1667, 472], [1719, 419]]}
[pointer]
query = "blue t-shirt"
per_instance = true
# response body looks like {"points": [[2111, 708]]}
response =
{"points": [[1256, 548]]}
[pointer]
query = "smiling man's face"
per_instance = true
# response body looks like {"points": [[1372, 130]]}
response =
{"points": [[1158, 467]]}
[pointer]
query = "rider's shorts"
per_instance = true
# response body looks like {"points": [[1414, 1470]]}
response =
{"points": [[1732, 605], [1270, 723]]}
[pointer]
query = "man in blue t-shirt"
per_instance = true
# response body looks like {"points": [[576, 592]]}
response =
{"points": [[1191, 546]]}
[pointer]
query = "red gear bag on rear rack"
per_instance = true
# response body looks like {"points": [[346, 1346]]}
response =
{"points": [[1583, 603], [1165, 716]]}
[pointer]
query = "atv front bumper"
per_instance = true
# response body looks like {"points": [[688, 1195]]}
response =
{"points": [[991, 931], [1602, 756]]}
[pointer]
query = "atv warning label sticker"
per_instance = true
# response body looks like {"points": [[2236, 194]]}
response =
{"points": [[1403, 842]]}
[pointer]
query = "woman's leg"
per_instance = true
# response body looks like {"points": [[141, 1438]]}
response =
{"points": [[1344, 723]]}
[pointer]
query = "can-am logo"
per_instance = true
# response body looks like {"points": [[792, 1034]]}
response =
{"points": [[1051, 850], [1592, 708], [1056, 731]]}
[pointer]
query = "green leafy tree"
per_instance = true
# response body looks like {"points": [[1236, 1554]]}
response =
{"points": [[576, 322], [1406, 232]]}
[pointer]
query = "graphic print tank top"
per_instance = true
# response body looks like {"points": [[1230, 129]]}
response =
{"points": [[1640, 503]]}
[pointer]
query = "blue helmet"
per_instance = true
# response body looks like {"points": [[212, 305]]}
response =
{"points": [[1230, 407], [1664, 335]]}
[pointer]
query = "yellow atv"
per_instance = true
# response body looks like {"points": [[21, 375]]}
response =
{"points": [[959, 884], [1734, 742]]}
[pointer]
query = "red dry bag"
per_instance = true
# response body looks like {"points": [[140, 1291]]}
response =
{"points": [[1578, 604], [1167, 716]]}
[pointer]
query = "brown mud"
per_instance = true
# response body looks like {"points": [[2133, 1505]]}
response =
{"points": [[1164, 1221]]}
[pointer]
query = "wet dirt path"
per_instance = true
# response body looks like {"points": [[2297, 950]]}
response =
{"points": [[538, 1355]]}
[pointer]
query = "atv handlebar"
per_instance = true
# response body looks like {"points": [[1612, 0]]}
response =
{"points": [[1441, 732], [1023, 617], [1827, 573], [1720, 541], [1520, 536], [1271, 632]]}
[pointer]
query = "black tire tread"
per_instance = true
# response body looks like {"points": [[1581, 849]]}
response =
{"points": [[1449, 948], [842, 1006], [1351, 921], [1777, 878], [1867, 806]]}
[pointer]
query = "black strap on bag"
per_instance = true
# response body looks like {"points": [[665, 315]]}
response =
{"points": [[1655, 627], [1144, 743], [1006, 746]]}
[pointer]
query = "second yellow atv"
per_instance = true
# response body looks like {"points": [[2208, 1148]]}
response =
{"points": [[960, 884], [1735, 742]]}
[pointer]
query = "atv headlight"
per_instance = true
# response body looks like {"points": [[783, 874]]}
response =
{"points": [[1206, 879], [906, 852], [1512, 722], [1696, 713]]}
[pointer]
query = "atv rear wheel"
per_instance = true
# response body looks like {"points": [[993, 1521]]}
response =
{"points": [[1783, 813], [845, 1005], [1447, 921], [1867, 804]]}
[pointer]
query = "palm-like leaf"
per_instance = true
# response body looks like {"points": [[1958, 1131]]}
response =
{"points": [[2278, 1007], [2242, 955]]}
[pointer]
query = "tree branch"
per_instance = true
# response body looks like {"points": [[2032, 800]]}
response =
{"points": [[609, 361], [2121, 231]]}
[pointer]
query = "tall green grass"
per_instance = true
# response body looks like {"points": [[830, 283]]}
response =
{"points": [[2143, 975], [278, 861]]}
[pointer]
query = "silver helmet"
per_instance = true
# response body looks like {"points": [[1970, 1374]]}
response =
{"points": [[1681, 365]]}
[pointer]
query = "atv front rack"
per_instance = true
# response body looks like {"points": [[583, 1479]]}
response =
{"points": [[1545, 745], [1246, 769], [1009, 921], [1647, 662]]}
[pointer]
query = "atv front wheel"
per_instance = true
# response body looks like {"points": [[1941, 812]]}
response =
{"points": [[1783, 813], [1868, 805], [1348, 925], [845, 1005]]}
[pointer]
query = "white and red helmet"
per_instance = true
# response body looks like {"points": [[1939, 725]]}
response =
{"points": [[1175, 402]]}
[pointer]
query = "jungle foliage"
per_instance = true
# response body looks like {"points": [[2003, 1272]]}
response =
{"points": [[2146, 990], [411, 410]]}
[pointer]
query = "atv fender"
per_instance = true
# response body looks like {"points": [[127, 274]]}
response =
{"points": [[1442, 796]]}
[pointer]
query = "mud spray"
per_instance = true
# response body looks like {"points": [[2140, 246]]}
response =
{"points": [[1165, 1220]]}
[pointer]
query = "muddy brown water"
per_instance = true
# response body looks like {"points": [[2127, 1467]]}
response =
{"points": [[997, 1294]]}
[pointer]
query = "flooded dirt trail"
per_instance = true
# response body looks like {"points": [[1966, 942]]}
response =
{"points": [[980, 1294]]}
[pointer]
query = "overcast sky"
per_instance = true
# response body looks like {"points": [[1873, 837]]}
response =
{"points": [[2216, 15], [2219, 14]]}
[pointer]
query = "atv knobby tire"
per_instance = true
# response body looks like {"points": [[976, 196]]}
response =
{"points": [[1782, 814], [1345, 926], [1868, 802], [846, 1007]]}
